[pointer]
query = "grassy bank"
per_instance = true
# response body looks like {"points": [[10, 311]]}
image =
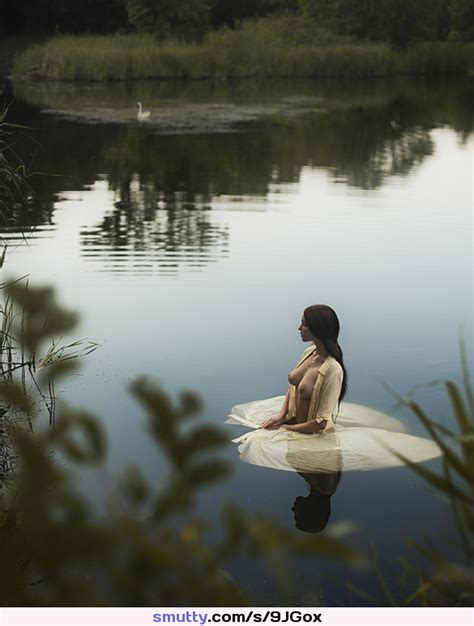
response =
{"points": [[10, 48], [258, 49]]}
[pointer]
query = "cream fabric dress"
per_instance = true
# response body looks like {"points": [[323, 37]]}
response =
{"points": [[325, 394], [361, 439]]}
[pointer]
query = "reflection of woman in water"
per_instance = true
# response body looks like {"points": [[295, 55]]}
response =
{"points": [[319, 380], [312, 512]]}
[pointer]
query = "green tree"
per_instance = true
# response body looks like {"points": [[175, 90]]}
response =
{"points": [[462, 19], [37, 16], [187, 19], [229, 12], [406, 21], [93, 16], [142, 15], [63, 16], [399, 22]]}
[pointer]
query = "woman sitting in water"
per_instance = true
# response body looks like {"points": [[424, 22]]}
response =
{"points": [[319, 380], [364, 439]]}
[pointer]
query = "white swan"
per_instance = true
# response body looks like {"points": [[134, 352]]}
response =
{"points": [[142, 115]]}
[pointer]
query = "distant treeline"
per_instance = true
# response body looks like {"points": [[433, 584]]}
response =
{"points": [[399, 22]]}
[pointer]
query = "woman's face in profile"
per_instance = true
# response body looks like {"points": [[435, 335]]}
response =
{"points": [[305, 333]]}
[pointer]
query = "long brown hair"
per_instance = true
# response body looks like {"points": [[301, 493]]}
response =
{"points": [[323, 323]]}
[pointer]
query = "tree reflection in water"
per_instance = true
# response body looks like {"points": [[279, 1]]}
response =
{"points": [[154, 228], [165, 185]]}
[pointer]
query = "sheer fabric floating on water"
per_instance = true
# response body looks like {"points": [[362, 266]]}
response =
{"points": [[363, 439]]}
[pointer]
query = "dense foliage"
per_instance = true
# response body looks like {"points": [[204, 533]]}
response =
{"points": [[188, 19], [62, 16], [396, 21]]}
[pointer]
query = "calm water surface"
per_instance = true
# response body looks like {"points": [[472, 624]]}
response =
{"points": [[192, 243]]}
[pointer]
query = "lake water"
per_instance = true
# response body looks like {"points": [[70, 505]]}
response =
{"points": [[191, 244]]}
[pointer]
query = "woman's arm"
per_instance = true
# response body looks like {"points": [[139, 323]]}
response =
{"points": [[307, 427], [277, 420], [296, 375]]}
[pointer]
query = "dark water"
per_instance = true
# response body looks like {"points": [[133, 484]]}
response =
{"points": [[191, 244]]}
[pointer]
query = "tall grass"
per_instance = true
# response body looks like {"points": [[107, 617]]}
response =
{"points": [[442, 581], [257, 49], [19, 355]]}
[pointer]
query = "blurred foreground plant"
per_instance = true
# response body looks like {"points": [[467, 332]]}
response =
{"points": [[442, 581], [451, 583], [22, 332], [14, 186], [151, 548]]}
